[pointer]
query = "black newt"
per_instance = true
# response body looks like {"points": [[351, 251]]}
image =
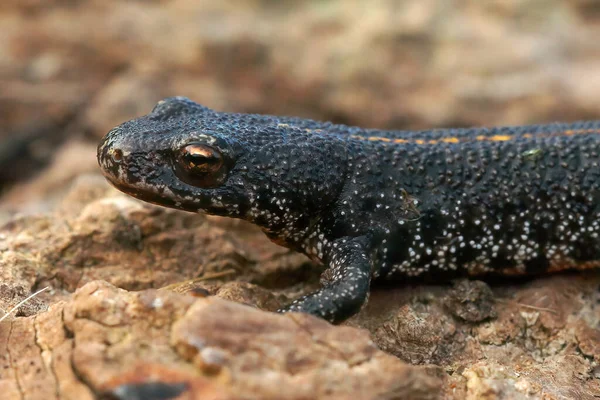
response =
{"points": [[374, 204]]}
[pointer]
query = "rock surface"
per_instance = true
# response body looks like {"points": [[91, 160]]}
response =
{"points": [[107, 341], [176, 325]]}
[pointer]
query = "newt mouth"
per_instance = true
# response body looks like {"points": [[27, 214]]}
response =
{"points": [[121, 186], [143, 195]]}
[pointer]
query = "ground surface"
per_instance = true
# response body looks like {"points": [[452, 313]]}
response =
{"points": [[176, 321], [146, 300]]}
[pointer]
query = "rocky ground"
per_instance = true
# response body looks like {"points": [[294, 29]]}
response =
{"points": [[190, 316], [146, 301]]}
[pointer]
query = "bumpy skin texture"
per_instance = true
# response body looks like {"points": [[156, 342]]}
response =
{"points": [[374, 204]]}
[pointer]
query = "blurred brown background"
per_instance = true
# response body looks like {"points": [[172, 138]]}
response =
{"points": [[72, 69]]}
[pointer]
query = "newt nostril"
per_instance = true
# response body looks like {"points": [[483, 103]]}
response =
{"points": [[116, 155]]}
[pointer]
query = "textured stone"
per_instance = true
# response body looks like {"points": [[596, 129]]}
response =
{"points": [[471, 301], [124, 344], [531, 338]]}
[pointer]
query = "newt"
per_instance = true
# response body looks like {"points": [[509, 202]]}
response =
{"points": [[374, 205]]}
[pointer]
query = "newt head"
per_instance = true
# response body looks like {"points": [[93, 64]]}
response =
{"points": [[186, 156]]}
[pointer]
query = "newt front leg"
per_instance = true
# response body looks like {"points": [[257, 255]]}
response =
{"points": [[346, 286]]}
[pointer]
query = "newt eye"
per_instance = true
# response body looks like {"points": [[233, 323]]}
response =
{"points": [[200, 159], [201, 165]]}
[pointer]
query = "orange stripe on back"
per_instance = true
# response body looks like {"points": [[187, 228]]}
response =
{"points": [[493, 138]]}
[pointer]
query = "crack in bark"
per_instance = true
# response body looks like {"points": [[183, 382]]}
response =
{"points": [[10, 361], [105, 325], [48, 366], [76, 372]]}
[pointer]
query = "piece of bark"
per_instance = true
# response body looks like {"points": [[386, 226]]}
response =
{"points": [[107, 341], [543, 333]]}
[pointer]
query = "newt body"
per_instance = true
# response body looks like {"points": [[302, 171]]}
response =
{"points": [[374, 204]]}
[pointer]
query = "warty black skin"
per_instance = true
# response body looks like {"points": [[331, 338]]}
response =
{"points": [[375, 204]]}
